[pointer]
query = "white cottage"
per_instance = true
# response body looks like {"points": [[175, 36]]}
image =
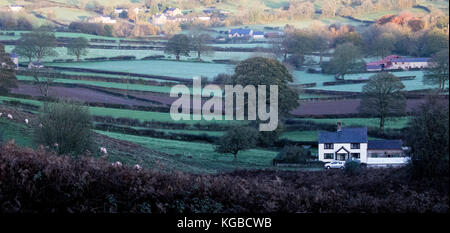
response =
{"points": [[352, 143], [16, 8]]}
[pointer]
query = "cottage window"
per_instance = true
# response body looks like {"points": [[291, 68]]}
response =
{"points": [[355, 146], [329, 146], [356, 155], [374, 155], [328, 156]]}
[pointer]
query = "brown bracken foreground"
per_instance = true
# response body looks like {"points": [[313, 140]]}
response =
{"points": [[36, 181]]}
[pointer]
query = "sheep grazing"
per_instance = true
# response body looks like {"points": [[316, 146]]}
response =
{"points": [[26, 121], [103, 150], [117, 164], [137, 167], [41, 125], [1, 114], [10, 116]]}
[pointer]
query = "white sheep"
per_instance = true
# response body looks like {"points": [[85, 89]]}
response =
{"points": [[41, 125], [137, 167], [103, 150], [1, 114], [26, 121], [117, 164], [10, 116]]}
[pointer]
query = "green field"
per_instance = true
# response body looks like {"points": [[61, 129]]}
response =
{"points": [[123, 86], [186, 70], [20, 133], [192, 132], [118, 77], [202, 154], [390, 123], [132, 114], [116, 85], [378, 14], [305, 136]]}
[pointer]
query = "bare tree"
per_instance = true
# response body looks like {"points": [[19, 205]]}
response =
{"points": [[44, 79], [383, 96], [199, 44]]}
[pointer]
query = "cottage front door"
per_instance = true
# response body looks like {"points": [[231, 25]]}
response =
{"points": [[342, 156]]}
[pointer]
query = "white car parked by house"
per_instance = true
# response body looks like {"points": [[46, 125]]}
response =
{"points": [[335, 165]]}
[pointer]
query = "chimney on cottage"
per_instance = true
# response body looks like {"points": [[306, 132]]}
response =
{"points": [[339, 126]]}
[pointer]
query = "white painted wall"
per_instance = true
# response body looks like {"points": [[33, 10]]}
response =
{"points": [[383, 161], [406, 65], [362, 151]]}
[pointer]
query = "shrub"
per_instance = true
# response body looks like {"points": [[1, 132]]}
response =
{"points": [[292, 154], [66, 128], [427, 135], [237, 139], [222, 78], [352, 167], [296, 61]]}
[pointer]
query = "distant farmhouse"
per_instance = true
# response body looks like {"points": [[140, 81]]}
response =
{"points": [[119, 10], [159, 19], [16, 8], [211, 10], [172, 12], [242, 33], [352, 144], [15, 59], [102, 19], [395, 62], [204, 18], [258, 35]]}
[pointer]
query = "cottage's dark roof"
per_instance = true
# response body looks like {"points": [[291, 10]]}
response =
{"points": [[385, 144], [346, 135]]}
